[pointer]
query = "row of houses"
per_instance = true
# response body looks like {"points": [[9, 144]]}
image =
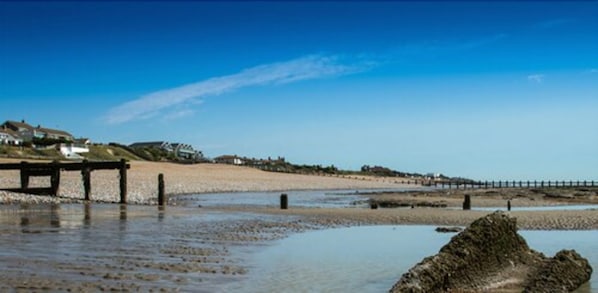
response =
{"points": [[17, 133], [179, 150], [21, 133]]}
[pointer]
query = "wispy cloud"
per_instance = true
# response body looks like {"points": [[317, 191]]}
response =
{"points": [[308, 67], [593, 70], [537, 78]]}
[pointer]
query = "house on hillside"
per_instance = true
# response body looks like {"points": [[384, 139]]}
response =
{"points": [[181, 151], [28, 132], [9, 136], [162, 145], [184, 151], [228, 159]]}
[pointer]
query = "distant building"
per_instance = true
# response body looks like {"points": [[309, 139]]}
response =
{"points": [[163, 145], [28, 132], [228, 159], [9, 136], [180, 150]]}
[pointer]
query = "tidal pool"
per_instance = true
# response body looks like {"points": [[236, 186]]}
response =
{"points": [[372, 258], [305, 198]]}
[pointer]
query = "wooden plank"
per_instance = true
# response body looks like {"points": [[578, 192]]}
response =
{"points": [[33, 190], [66, 166]]}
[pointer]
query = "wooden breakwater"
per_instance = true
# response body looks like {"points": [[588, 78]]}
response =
{"points": [[505, 184], [53, 169]]}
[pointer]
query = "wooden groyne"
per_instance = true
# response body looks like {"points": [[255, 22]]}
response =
{"points": [[53, 169], [505, 184]]}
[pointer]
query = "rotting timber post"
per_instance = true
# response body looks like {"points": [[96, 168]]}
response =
{"points": [[161, 197], [284, 201], [123, 181], [86, 176]]}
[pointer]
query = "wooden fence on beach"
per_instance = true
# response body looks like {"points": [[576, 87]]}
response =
{"points": [[53, 169], [504, 184]]}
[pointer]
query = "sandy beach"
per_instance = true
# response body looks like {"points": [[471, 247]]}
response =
{"points": [[142, 180], [214, 178]]}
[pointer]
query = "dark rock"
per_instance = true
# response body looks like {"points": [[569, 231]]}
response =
{"points": [[565, 272], [486, 252], [449, 229]]}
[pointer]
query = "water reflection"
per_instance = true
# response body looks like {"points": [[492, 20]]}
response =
{"points": [[86, 215], [54, 217]]}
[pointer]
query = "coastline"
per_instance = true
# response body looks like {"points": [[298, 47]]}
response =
{"points": [[182, 180]]}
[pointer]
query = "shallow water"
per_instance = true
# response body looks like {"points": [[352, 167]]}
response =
{"points": [[372, 259], [86, 243], [115, 246], [306, 199]]}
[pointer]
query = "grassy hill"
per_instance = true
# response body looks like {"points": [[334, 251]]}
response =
{"points": [[96, 153]]}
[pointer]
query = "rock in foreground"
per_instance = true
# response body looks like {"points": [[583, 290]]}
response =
{"points": [[490, 255]]}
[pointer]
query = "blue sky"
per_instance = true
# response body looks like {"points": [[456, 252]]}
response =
{"points": [[486, 90]]}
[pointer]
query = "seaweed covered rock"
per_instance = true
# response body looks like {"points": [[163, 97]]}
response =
{"points": [[565, 272], [489, 255]]}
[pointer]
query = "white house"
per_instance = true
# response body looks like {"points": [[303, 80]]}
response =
{"points": [[72, 150], [228, 159], [9, 136]]}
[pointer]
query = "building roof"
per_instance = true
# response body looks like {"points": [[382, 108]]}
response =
{"points": [[148, 144], [54, 131], [18, 124], [10, 132], [27, 126]]}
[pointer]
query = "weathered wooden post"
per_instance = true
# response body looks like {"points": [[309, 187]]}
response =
{"points": [[374, 205], [467, 203], [520, 184], [548, 183], [24, 176], [86, 175], [486, 184], [509, 205], [161, 197], [528, 184], [284, 201], [55, 178], [123, 181]]}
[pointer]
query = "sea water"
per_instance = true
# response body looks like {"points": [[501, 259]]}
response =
{"points": [[373, 258]]}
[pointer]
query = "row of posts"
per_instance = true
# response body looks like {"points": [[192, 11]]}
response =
{"points": [[513, 184]]}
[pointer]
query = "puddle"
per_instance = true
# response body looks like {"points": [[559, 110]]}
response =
{"points": [[372, 259]]}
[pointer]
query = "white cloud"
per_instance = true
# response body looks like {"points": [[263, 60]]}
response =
{"points": [[308, 67], [537, 78], [593, 70]]}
